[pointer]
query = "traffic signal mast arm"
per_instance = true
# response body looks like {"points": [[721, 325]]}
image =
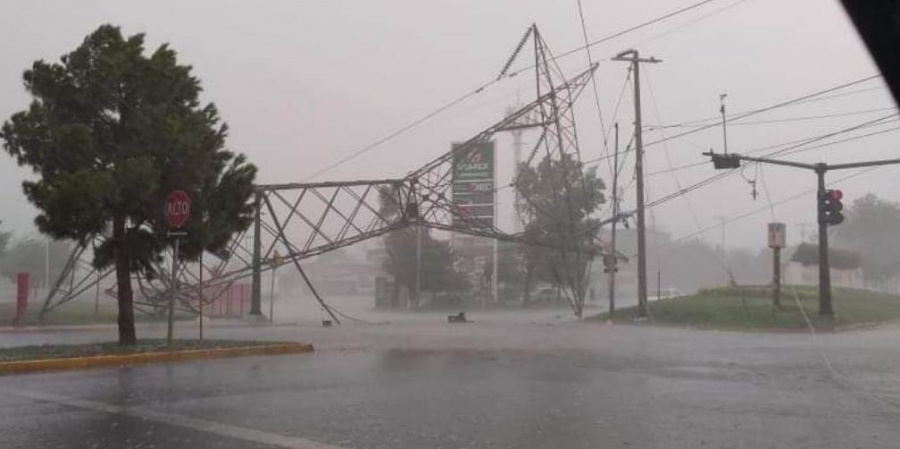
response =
{"points": [[863, 164], [828, 210], [814, 167]]}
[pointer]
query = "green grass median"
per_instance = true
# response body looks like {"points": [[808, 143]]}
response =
{"points": [[25, 359], [751, 308]]}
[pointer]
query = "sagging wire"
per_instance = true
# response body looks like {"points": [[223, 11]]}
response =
{"points": [[596, 92], [762, 178], [839, 378], [763, 209]]}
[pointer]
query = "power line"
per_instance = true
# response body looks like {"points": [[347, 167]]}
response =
{"points": [[763, 208], [669, 156], [615, 114], [762, 177], [692, 22], [399, 131], [594, 84], [637, 27], [722, 262], [759, 111], [722, 175], [849, 139], [769, 108], [800, 142], [836, 133], [695, 186], [717, 119], [478, 90], [784, 120]]}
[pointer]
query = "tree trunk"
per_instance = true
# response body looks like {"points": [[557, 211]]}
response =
{"points": [[123, 283]]}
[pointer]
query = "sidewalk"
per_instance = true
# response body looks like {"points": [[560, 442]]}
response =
{"points": [[147, 326]]}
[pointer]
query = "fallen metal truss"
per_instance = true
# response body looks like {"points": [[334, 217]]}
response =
{"points": [[300, 220]]}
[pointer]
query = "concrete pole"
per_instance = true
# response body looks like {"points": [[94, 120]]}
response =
{"points": [[256, 281]]}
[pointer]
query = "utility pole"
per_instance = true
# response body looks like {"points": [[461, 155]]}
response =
{"points": [[634, 58], [724, 129], [615, 214]]}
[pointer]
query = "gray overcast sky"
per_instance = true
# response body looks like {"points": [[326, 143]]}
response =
{"points": [[303, 83]]}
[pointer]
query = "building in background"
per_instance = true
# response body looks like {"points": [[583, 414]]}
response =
{"points": [[802, 268]]}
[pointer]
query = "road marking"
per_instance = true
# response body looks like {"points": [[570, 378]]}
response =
{"points": [[241, 433]]}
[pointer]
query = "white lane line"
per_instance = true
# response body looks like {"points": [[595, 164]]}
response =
{"points": [[241, 433]]}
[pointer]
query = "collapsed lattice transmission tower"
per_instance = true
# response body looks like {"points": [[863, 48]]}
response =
{"points": [[296, 221]]}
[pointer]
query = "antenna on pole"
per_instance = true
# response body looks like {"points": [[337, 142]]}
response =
{"points": [[724, 130]]}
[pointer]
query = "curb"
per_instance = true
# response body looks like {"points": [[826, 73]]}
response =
{"points": [[30, 366]]}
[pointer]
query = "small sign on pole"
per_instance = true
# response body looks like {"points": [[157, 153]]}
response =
{"points": [[776, 235], [21, 297]]}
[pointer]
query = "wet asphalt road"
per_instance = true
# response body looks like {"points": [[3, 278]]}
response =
{"points": [[498, 382]]}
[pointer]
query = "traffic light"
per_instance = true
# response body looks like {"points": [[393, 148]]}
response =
{"points": [[830, 207]]}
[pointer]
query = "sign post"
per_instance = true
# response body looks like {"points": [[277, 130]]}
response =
{"points": [[776, 242], [178, 210], [21, 297]]}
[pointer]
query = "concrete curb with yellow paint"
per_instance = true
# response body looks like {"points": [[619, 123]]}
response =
{"points": [[67, 363]]}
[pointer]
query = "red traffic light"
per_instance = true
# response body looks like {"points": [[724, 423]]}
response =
{"points": [[835, 195]]}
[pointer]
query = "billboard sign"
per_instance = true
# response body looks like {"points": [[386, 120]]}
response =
{"points": [[473, 180]]}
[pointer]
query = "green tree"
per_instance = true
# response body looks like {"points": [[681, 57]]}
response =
{"points": [[872, 229], [4, 241], [560, 197], [436, 270], [511, 269], [436, 273], [110, 132], [34, 256]]}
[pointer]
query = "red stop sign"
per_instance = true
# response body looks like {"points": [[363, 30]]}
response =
{"points": [[178, 208]]}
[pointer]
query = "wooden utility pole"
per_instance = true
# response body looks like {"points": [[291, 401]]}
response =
{"points": [[634, 58]]}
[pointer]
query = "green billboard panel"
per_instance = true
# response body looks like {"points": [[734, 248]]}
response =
{"points": [[473, 179]]}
